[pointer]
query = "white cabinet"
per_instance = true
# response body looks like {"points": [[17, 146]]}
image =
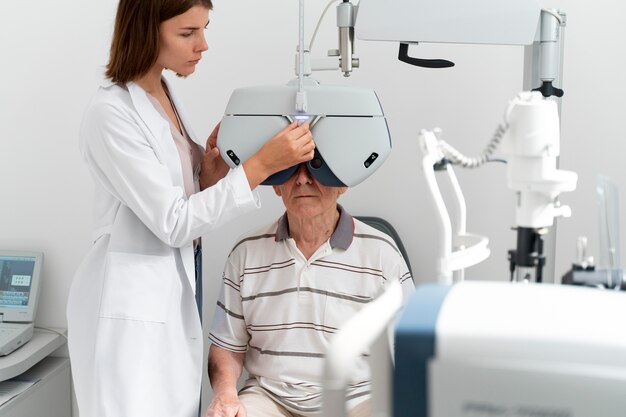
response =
{"points": [[51, 395]]}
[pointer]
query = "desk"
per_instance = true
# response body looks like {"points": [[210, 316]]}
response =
{"points": [[51, 395], [42, 344]]}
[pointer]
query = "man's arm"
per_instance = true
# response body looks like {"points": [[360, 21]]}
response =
{"points": [[225, 368]]}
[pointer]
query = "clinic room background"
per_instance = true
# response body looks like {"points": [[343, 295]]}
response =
{"points": [[52, 56]]}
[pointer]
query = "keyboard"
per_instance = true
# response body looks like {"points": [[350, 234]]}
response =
{"points": [[8, 332], [14, 335]]}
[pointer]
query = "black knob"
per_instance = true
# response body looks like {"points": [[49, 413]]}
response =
{"points": [[316, 163], [548, 90]]}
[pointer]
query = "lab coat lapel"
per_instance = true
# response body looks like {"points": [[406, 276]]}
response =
{"points": [[182, 114], [160, 130], [186, 251]]}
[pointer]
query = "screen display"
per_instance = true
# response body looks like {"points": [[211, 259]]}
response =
{"points": [[16, 273]]}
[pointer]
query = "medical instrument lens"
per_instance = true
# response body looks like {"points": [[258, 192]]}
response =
{"points": [[316, 163]]}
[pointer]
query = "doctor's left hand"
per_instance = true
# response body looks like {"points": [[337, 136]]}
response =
{"points": [[213, 168]]}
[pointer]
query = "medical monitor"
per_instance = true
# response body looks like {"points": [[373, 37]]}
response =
{"points": [[19, 285]]}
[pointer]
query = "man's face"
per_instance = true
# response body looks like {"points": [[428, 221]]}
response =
{"points": [[304, 196]]}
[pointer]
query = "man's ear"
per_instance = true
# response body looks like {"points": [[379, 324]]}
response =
{"points": [[277, 190], [342, 190]]}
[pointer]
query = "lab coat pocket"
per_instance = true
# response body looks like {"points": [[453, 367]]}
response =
{"points": [[137, 287]]}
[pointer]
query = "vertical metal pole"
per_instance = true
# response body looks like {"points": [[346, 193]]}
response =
{"points": [[531, 79], [301, 102], [301, 45]]}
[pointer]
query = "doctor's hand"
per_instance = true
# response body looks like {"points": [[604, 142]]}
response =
{"points": [[213, 168], [291, 146], [225, 406]]}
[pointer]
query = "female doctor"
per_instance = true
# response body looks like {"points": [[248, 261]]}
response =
{"points": [[135, 338]]}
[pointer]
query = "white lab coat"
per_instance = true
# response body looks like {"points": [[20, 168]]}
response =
{"points": [[135, 339]]}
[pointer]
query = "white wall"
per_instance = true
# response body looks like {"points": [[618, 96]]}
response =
{"points": [[51, 58]]}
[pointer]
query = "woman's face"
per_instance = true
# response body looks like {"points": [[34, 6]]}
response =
{"points": [[183, 41]]}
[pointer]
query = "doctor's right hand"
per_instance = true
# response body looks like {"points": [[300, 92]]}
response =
{"points": [[225, 406], [212, 168], [291, 146]]}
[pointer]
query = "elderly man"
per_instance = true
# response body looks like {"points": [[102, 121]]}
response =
{"points": [[287, 288]]}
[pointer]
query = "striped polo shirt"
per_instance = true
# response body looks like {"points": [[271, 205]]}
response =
{"points": [[281, 309]]}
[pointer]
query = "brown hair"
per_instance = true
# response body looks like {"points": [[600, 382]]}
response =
{"points": [[135, 44]]}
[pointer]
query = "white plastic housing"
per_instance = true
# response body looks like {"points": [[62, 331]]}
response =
{"points": [[350, 125], [500, 22], [551, 349], [531, 147], [533, 127]]}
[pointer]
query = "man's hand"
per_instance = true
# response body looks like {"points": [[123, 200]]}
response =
{"points": [[224, 370], [225, 406], [213, 168]]}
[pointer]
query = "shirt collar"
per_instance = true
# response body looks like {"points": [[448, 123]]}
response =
{"points": [[341, 237]]}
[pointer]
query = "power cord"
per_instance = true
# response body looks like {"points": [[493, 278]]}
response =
{"points": [[319, 22], [52, 330]]}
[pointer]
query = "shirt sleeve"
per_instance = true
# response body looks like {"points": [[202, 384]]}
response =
{"points": [[406, 279], [229, 326], [397, 269]]}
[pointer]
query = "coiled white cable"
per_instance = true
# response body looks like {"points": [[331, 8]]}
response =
{"points": [[457, 158]]}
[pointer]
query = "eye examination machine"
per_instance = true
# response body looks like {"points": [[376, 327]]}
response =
{"points": [[516, 348], [352, 138], [351, 133]]}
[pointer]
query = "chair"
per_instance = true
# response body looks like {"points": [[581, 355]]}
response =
{"points": [[386, 227]]}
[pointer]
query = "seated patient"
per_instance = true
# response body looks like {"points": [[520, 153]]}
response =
{"points": [[287, 288]]}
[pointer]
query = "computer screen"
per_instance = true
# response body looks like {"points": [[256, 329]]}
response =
{"points": [[16, 280], [20, 279]]}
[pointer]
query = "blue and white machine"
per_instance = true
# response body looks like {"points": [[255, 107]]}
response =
{"points": [[487, 349], [479, 349]]}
